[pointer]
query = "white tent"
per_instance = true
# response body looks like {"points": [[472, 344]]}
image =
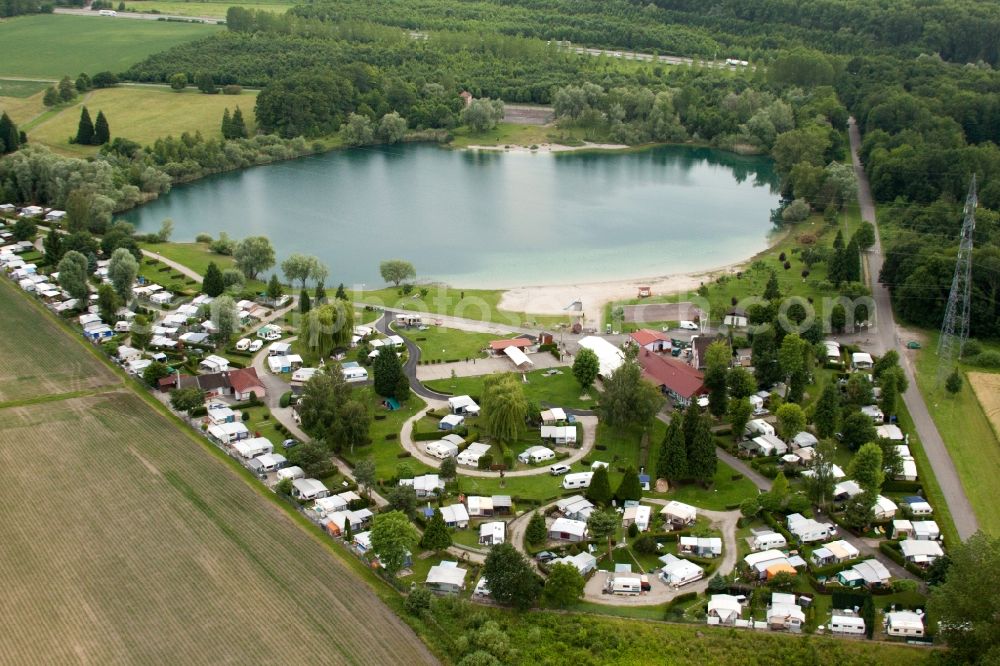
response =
{"points": [[519, 358], [677, 571], [609, 357]]}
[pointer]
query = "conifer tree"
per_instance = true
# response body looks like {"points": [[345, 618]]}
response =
{"points": [[102, 131], [304, 304], [672, 464], [702, 459], [212, 284], [436, 537], [238, 127], [599, 491], [85, 130], [9, 137], [227, 125], [629, 488]]}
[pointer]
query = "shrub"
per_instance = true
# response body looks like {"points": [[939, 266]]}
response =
{"points": [[286, 399], [232, 89], [203, 238]]}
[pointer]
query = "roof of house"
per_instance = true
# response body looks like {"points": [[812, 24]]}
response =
{"points": [[920, 549], [446, 573], [645, 336], [609, 357], [500, 345], [677, 376], [244, 379], [872, 571], [577, 527]]}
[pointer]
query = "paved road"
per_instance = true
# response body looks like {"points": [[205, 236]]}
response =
{"points": [[136, 15], [886, 337]]}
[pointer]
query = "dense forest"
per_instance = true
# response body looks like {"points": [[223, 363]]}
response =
{"points": [[959, 30]]}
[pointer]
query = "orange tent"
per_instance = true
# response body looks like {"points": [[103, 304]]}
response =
{"points": [[776, 569]]}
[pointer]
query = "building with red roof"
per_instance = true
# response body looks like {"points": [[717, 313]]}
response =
{"points": [[244, 382], [675, 378], [651, 340], [499, 345]]}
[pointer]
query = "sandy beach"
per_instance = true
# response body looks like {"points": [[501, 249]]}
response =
{"points": [[595, 295], [550, 147]]}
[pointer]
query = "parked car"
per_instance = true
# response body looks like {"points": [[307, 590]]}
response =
{"points": [[556, 470], [545, 556], [290, 443], [689, 326]]}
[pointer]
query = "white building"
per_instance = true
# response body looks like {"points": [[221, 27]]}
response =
{"points": [[309, 489], [446, 577], [577, 480], [848, 625], [807, 530], [609, 357], [455, 515], [564, 529], [493, 533], [920, 552], [463, 404]]}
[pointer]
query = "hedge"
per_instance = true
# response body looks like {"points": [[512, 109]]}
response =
{"points": [[425, 436], [899, 486], [833, 569]]}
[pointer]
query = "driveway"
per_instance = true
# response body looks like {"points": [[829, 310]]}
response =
{"points": [[589, 424], [724, 521], [885, 335]]}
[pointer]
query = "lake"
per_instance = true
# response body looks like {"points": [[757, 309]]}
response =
{"points": [[490, 219]]}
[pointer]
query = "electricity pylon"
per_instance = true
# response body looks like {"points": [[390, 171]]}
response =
{"points": [[955, 327]]}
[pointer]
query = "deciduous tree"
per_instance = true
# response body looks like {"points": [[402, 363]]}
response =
{"points": [[563, 587], [740, 411], [73, 274], [602, 524], [866, 468], [253, 256], [224, 318], [122, 271], [586, 367], [392, 537], [791, 420], [967, 603], [512, 580], [504, 407], [397, 270], [107, 302]]}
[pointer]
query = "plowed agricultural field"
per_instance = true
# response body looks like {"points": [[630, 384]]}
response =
{"points": [[125, 541], [37, 358]]}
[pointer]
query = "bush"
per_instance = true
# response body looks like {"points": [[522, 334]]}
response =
{"points": [[633, 531], [986, 359], [286, 399], [232, 89], [418, 601], [203, 238]]}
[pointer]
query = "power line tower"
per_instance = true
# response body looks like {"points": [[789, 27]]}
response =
{"points": [[955, 327]]}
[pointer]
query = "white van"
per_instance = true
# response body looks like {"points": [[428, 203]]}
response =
{"points": [[688, 325], [578, 480], [556, 470], [107, 12]]}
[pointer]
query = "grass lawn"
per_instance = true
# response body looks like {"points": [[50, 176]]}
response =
{"points": [[143, 114], [440, 343], [384, 451], [560, 390], [12, 88], [150, 269], [967, 433], [22, 109], [718, 295], [516, 135], [478, 304], [205, 9], [51, 46]]}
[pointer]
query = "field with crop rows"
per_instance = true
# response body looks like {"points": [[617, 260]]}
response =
{"points": [[36, 358], [123, 537]]}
